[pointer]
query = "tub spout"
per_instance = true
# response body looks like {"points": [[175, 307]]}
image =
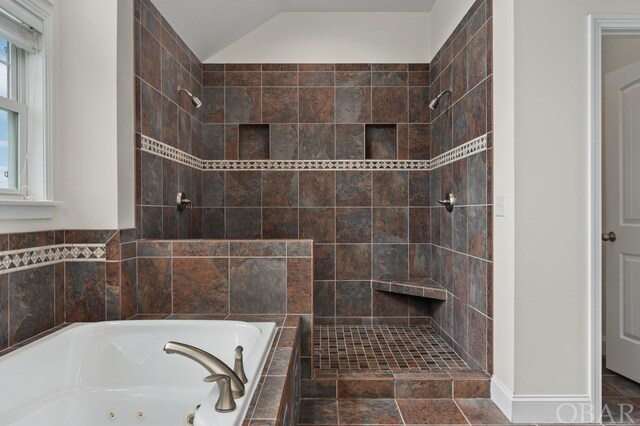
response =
{"points": [[213, 365]]}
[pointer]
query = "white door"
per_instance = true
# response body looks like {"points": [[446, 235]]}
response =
{"points": [[621, 227]]}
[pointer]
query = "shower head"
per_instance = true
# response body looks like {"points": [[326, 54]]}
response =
{"points": [[436, 101], [194, 100]]}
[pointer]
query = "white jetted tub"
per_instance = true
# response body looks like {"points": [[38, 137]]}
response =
{"points": [[116, 373]]}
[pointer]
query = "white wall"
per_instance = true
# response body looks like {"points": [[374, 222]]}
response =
{"points": [[126, 114], [334, 37], [445, 17], [504, 184], [551, 188], [86, 120]]}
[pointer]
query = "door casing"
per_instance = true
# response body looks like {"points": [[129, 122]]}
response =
{"points": [[599, 26]]}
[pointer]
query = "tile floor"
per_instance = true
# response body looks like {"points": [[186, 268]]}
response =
{"points": [[399, 412], [619, 395], [617, 391], [392, 348]]}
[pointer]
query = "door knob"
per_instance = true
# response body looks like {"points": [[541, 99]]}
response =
{"points": [[609, 236]]}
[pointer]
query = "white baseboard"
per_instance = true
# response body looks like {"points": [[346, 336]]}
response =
{"points": [[541, 408], [502, 397]]}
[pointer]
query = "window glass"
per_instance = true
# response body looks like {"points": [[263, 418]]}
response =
{"points": [[5, 64], [4, 50], [8, 149]]}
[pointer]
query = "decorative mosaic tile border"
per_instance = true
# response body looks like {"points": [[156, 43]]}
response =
{"points": [[163, 150], [18, 260], [465, 150]]}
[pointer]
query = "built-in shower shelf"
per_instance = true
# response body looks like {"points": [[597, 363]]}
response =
{"points": [[422, 287]]}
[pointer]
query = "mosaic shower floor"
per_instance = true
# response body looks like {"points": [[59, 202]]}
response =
{"points": [[390, 348]]}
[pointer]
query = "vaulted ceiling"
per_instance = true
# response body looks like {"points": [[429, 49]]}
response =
{"points": [[208, 26]]}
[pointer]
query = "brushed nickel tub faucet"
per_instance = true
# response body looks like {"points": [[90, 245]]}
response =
{"points": [[231, 386]]}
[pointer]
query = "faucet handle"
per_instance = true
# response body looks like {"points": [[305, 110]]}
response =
{"points": [[225, 403], [238, 365]]}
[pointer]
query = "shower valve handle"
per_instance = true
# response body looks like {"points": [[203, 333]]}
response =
{"points": [[183, 202], [448, 202]]}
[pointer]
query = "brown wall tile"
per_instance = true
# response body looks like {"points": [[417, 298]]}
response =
{"points": [[284, 141], [154, 286], [317, 105], [280, 223], [317, 188], [353, 261], [317, 224], [350, 141], [389, 105], [279, 105], [317, 142], [280, 189], [31, 297], [85, 291], [353, 299], [258, 286], [4, 312], [300, 286], [353, 225], [201, 286], [243, 104]]}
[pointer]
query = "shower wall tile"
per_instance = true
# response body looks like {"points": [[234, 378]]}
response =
{"points": [[317, 105], [460, 257], [300, 286], [243, 223], [350, 141], [164, 62], [154, 286], [353, 299], [284, 141], [243, 105], [280, 105], [353, 262], [317, 224], [314, 111], [221, 277], [280, 222], [317, 142], [389, 104], [200, 286]]}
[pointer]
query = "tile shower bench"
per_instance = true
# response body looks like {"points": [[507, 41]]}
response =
{"points": [[422, 287]]}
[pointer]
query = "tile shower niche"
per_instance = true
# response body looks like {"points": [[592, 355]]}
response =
{"points": [[254, 142], [381, 142]]}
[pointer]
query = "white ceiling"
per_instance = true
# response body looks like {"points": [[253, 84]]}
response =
{"points": [[208, 26]]}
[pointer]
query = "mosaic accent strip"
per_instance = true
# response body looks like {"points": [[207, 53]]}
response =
{"points": [[163, 150], [394, 348], [17, 260], [458, 153]]}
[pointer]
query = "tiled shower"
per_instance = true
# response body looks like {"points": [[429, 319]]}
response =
{"points": [[280, 153], [347, 155]]}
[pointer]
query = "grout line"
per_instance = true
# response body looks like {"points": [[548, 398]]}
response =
{"points": [[461, 411], [399, 410]]}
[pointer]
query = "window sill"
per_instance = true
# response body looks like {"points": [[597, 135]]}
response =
{"points": [[22, 209]]}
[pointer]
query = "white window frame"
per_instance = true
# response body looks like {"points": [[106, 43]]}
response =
{"points": [[16, 102], [39, 88]]}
